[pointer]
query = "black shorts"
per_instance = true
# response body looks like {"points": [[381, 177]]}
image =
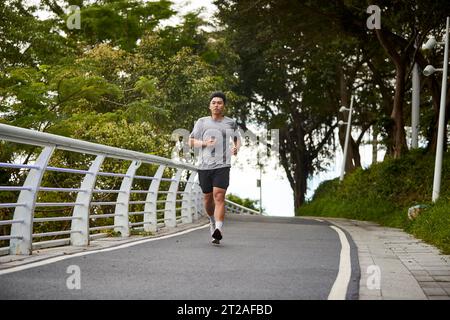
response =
{"points": [[219, 178]]}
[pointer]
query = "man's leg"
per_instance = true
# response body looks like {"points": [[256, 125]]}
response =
{"points": [[219, 203], [219, 212], [208, 199], [208, 202], [220, 184]]}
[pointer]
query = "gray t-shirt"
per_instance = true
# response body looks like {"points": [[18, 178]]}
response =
{"points": [[223, 131]]}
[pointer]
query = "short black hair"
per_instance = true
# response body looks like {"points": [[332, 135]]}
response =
{"points": [[218, 94]]}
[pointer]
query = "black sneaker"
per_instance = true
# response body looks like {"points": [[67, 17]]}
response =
{"points": [[215, 241], [217, 234]]}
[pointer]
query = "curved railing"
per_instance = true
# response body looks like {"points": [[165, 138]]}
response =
{"points": [[181, 202], [179, 206], [236, 208]]}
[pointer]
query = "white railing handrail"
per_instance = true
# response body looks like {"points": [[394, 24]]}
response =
{"points": [[33, 137], [21, 234], [241, 206]]}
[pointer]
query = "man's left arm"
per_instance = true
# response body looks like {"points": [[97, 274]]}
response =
{"points": [[236, 140]]}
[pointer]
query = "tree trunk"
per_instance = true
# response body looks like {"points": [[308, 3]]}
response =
{"points": [[355, 154], [301, 174], [353, 157], [399, 144], [400, 60], [386, 106], [374, 145], [295, 162], [299, 193]]}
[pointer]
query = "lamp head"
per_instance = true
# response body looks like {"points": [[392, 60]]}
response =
{"points": [[342, 109], [430, 44], [341, 122], [429, 70]]}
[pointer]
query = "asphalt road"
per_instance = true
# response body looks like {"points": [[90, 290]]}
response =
{"points": [[259, 258]]}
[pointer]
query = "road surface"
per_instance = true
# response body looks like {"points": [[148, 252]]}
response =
{"points": [[268, 258]]}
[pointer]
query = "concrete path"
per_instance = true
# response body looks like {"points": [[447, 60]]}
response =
{"points": [[407, 267]]}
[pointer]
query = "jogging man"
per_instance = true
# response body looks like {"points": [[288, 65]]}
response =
{"points": [[215, 138]]}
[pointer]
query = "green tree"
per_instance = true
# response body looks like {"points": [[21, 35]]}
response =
{"points": [[125, 90], [405, 26], [288, 87]]}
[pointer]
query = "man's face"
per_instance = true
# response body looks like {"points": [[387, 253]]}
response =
{"points": [[217, 106]]}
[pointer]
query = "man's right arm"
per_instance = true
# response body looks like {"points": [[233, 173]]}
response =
{"points": [[197, 133], [201, 143], [196, 143]]}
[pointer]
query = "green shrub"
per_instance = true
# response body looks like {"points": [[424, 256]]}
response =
{"points": [[384, 192]]}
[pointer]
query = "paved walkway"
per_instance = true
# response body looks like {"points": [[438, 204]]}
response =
{"points": [[9, 261], [409, 268], [260, 258]]}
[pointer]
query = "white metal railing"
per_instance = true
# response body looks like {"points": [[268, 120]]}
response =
{"points": [[175, 211], [21, 236]]}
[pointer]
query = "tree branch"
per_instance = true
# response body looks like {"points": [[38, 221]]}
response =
{"points": [[314, 153]]}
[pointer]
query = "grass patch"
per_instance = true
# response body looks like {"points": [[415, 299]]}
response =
{"points": [[141, 233], [133, 232]]}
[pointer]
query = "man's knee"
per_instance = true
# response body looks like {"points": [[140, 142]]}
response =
{"points": [[208, 197], [219, 196]]}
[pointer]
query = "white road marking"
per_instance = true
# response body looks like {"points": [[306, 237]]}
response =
{"points": [[339, 289], [79, 254], [319, 220]]}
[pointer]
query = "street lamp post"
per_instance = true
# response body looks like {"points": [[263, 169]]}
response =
{"points": [[429, 69], [259, 181], [415, 105], [347, 135], [260, 189]]}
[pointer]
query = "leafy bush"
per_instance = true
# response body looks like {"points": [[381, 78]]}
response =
{"points": [[384, 192]]}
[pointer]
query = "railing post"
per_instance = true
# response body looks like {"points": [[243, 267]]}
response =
{"points": [[195, 202], [170, 213], [81, 212], [150, 217], [187, 209], [23, 232], [121, 218]]}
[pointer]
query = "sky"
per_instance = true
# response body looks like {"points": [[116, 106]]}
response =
{"points": [[185, 6], [277, 195]]}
